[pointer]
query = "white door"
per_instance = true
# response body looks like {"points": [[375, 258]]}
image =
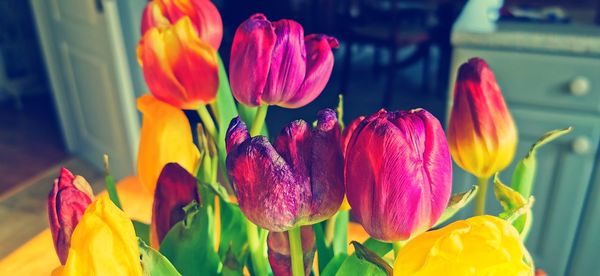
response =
{"points": [[88, 70]]}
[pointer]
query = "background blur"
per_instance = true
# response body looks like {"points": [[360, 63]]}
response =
{"points": [[69, 78]]}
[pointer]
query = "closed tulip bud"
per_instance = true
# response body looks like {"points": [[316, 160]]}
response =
{"points": [[398, 173], [481, 133], [166, 137], [67, 201], [298, 181], [348, 131], [274, 63], [180, 69], [204, 16], [175, 189], [103, 243], [481, 245], [279, 251]]}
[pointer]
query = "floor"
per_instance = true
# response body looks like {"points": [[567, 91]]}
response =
{"points": [[30, 140]]}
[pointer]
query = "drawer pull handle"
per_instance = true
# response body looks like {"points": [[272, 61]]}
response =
{"points": [[581, 145], [579, 86]]}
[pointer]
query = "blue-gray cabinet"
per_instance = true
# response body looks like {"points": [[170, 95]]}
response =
{"points": [[546, 90]]}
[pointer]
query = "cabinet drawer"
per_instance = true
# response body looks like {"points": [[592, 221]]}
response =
{"points": [[562, 178], [543, 79]]}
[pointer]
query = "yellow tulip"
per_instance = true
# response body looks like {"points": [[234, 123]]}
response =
{"points": [[481, 245], [166, 137], [103, 243]]}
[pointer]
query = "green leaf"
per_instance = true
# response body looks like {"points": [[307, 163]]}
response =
{"points": [[516, 209], [188, 244], [111, 186], [333, 266], [233, 247], [340, 111], [325, 251], [363, 262], [154, 263], [456, 203], [340, 237], [142, 230], [380, 248], [524, 174]]}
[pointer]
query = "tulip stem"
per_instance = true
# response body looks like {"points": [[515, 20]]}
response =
{"points": [[208, 122], [259, 120], [295, 237], [482, 183], [397, 245], [254, 248]]}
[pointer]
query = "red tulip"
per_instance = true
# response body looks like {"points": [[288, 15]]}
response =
{"points": [[180, 68], [274, 63], [204, 16], [398, 173], [175, 189], [279, 251], [348, 131], [298, 181], [67, 201], [481, 131]]}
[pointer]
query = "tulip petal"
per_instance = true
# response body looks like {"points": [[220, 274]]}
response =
{"points": [[348, 131], [251, 52], [319, 65], [237, 132], [264, 184], [175, 189], [288, 63], [208, 23]]}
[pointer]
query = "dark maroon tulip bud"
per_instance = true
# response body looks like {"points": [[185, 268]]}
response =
{"points": [[398, 173], [299, 181], [175, 189], [279, 251], [67, 201]]}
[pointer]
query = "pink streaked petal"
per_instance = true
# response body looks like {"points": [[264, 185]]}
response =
{"points": [[319, 65], [251, 52], [288, 62], [237, 133]]}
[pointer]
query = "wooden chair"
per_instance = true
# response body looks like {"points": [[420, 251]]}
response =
{"points": [[391, 25]]}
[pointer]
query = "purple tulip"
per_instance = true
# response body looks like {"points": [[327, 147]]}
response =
{"points": [[67, 201], [175, 189], [299, 181], [279, 251], [274, 63], [398, 173]]}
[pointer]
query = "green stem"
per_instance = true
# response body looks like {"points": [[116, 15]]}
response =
{"points": [[296, 251], [254, 248], [111, 185], [259, 120], [482, 183], [330, 229], [397, 245], [208, 122]]}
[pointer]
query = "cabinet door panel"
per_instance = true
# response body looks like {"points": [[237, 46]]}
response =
{"points": [[563, 175]]}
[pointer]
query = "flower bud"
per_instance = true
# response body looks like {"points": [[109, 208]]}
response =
{"points": [[298, 181], [482, 245], [67, 201], [175, 189], [274, 63], [398, 173], [279, 251], [481, 132]]}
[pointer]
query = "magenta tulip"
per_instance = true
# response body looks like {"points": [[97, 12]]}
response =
{"points": [[67, 201], [398, 173], [175, 189], [298, 181], [278, 244], [274, 63]]}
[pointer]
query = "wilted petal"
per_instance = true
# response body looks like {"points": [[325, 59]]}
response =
{"points": [[264, 184], [279, 251], [67, 201], [250, 62], [319, 65], [175, 189], [288, 63]]}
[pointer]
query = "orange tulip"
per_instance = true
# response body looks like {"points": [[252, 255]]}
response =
{"points": [[179, 67], [203, 13], [166, 137], [481, 134]]}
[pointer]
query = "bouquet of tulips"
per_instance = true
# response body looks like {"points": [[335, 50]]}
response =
{"points": [[230, 201]]}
